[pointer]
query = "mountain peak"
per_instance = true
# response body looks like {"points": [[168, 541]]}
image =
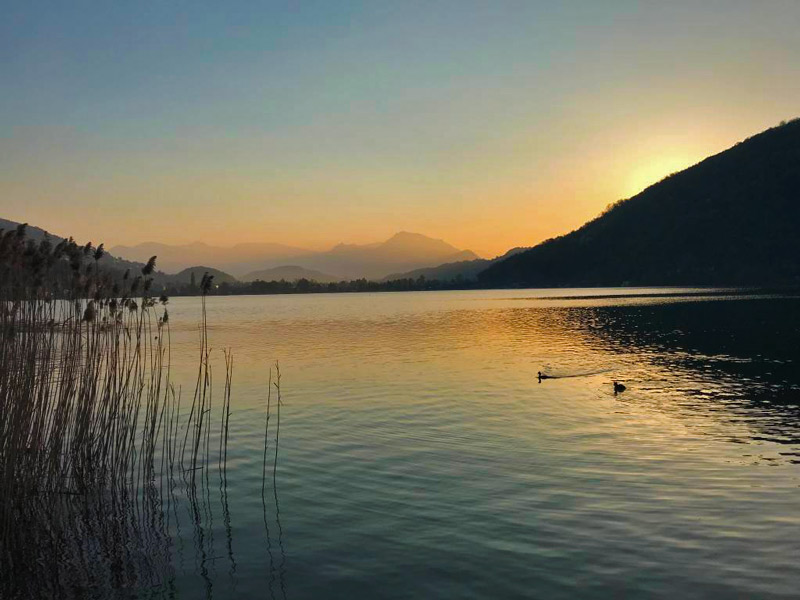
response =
{"points": [[409, 235], [407, 239]]}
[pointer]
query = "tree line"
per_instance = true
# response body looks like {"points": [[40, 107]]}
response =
{"points": [[309, 286]]}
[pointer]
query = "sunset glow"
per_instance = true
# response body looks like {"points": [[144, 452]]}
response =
{"points": [[652, 170], [488, 125]]}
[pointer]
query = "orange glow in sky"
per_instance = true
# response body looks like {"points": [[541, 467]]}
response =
{"points": [[488, 125]]}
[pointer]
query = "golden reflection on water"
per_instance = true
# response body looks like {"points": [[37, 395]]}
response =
{"points": [[421, 457], [359, 349]]}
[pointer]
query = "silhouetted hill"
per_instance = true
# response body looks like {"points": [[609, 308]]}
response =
{"points": [[464, 270], [108, 261], [289, 273], [733, 218], [31, 232], [185, 276]]}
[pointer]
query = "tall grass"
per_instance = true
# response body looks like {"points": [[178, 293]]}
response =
{"points": [[93, 447]]}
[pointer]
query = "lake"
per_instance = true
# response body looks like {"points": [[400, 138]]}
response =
{"points": [[421, 458]]}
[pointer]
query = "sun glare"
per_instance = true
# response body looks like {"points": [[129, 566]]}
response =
{"points": [[651, 170]]}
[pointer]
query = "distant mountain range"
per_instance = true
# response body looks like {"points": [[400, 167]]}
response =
{"points": [[733, 218], [238, 259], [343, 262], [402, 252]]}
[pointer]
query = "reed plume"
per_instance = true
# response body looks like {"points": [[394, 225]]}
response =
{"points": [[90, 423]]}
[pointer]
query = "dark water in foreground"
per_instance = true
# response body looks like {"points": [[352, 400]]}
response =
{"points": [[420, 458]]}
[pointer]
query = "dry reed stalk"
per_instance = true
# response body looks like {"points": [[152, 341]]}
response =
{"points": [[87, 414]]}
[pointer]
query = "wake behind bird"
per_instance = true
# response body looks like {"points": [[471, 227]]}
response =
{"points": [[541, 375]]}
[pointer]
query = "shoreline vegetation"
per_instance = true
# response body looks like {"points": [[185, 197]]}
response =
{"points": [[273, 288], [98, 449], [309, 286], [305, 286]]}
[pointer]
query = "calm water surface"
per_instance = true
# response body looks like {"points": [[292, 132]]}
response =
{"points": [[420, 457]]}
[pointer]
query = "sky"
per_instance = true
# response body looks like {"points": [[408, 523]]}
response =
{"points": [[488, 124]]}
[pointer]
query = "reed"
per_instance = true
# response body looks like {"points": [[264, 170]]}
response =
{"points": [[92, 442]]}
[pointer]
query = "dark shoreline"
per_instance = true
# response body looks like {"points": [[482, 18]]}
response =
{"points": [[697, 291]]}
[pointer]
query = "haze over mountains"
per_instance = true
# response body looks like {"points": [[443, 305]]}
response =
{"points": [[402, 252], [237, 260], [275, 262]]}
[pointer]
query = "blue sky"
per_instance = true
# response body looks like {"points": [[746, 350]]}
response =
{"points": [[489, 124]]}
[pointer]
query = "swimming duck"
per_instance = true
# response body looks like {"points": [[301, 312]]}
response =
{"points": [[618, 387], [540, 376]]}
